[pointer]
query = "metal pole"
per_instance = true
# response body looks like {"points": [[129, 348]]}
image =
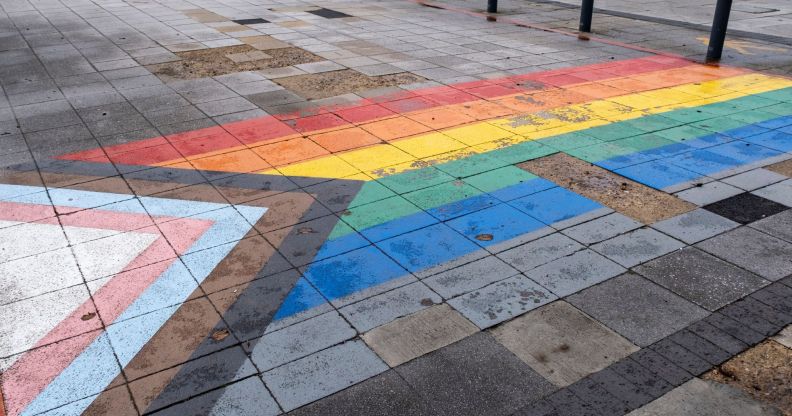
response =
{"points": [[718, 34], [492, 6], [586, 13]]}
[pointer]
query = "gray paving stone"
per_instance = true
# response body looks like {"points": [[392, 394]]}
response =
{"points": [[709, 193], [637, 247], [501, 301], [778, 225], [248, 397], [753, 250], [378, 69], [299, 340], [321, 66], [470, 277], [705, 398], [323, 373], [571, 274], [754, 179], [602, 228], [383, 308], [384, 395], [636, 308], [417, 334], [695, 226], [544, 250], [780, 192], [475, 376], [701, 278], [561, 343]]}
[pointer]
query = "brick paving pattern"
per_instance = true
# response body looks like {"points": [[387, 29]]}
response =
{"points": [[528, 224]]}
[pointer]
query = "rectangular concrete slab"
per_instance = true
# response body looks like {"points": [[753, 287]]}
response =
{"points": [[417, 334], [602, 228], [695, 226], [571, 274], [469, 277], [561, 343], [637, 247], [381, 309], [501, 301], [753, 250], [544, 250], [323, 373]]}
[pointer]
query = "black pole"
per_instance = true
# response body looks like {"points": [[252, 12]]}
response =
{"points": [[586, 13], [718, 34], [492, 6]]}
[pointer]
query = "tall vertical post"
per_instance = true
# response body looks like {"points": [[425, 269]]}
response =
{"points": [[586, 14], [492, 6], [718, 34]]}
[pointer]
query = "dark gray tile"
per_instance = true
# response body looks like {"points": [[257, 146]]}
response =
{"points": [[778, 225], [385, 394], [753, 250], [701, 278], [638, 309], [745, 208], [476, 376]]}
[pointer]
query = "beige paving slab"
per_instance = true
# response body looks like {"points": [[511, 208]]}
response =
{"points": [[264, 43], [562, 343], [415, 335], [784, 168], [623, 195]]}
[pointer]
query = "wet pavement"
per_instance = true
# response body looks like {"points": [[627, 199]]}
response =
{"points": [[332, 208]]}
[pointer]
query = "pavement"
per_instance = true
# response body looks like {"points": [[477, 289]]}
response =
{"points": [[396, 207]]}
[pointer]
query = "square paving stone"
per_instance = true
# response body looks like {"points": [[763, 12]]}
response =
{"points": [[476, 376], [695, 226], [469, 277], [637, 247], [571, 274], [636, 308], [544, 250], [383, 308], [753, 250], [248, 397], [299, 340], [420, 333], [780, 192], [754, 179], [384, 395], [745, 208], [501, 301], [602, 228], [709, 193], [705, 398], [778, 225], [561, 343], [701, 278], [323, 373]]}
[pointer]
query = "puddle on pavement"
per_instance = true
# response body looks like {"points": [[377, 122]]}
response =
{"points": [[764, 372], [623, 195], [228, 60], [330, 84]]}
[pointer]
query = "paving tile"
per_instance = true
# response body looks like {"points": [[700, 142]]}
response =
{"points": [[641, 377], [695, 226], [709, 193], [602, 228], [544, 250], [779, 192], [384, 308], [417, 334], [637, 247], [245, 398], [754, 179], [623, 304], [745, 208], [571, 274], [628, 392], [501, 301], [323, 373], [705, 398], [557, 207], [469, 277], [561, 343], [708, 351], [386, 394], [660, 366], [778, 225], [299, 340], [472, 377], [701, 278], [755, 251]]}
